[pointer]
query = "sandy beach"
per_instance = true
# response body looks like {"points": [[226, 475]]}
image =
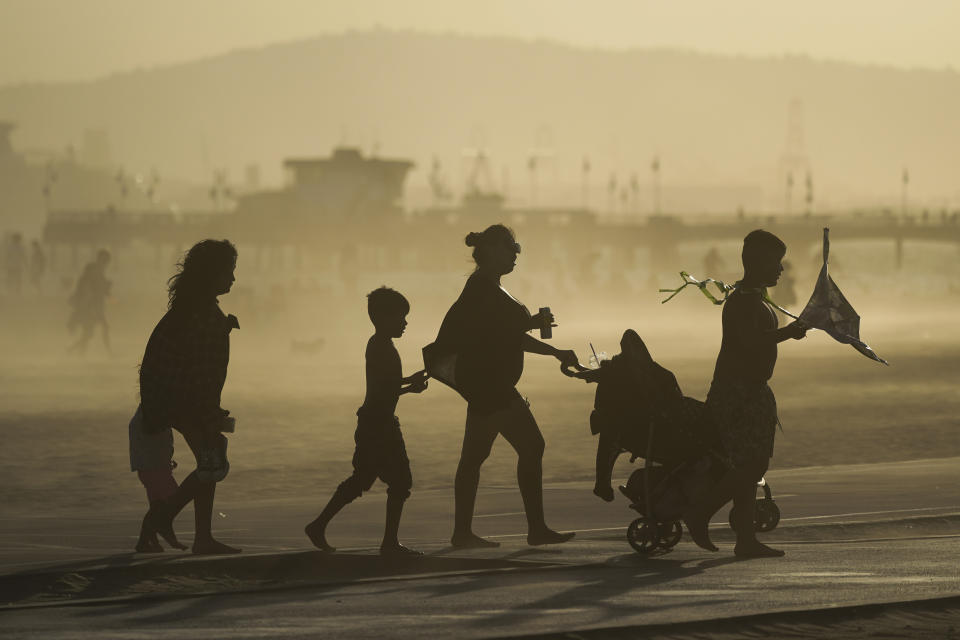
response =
{"points": [[72, 500], [68, 452]]}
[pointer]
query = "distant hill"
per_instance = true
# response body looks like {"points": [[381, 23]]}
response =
{"points": [[713, 120]]}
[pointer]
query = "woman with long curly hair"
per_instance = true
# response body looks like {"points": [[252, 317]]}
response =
{"points": [[181, 377]]}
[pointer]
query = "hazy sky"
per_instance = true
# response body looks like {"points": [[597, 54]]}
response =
{"points": [[81, 39]]}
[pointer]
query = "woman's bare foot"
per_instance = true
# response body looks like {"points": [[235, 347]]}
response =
{"points": [[548, 536], [699, 531], [756, 549], [471, 541], [396, 549], [604, 493], [212, 547], [317, 534]]}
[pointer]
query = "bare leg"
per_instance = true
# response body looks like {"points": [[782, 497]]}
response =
{"points": [[477, 440], [86, 332], [202, 494], [106, 336], [159, 519], [530, 481], [744, 502], [521, 431], [698, 516], [203, 512], [346, 492], [184, 494], [203, 541], [147, 542], [161, 486], [391, 544], [607, 454], [162, 512], [465, 496]]}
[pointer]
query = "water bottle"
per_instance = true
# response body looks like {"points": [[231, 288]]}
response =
{"points": [[546, 330]]}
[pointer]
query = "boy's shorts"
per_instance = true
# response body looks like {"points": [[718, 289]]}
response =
{"points": [[381, 453]]}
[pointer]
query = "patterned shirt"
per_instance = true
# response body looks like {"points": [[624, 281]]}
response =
{"points": [[184, 367], [485, 329]]}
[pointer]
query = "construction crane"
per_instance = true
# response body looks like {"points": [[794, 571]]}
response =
{"points": [[794, 159], [538, 156], [480, 188], [438, 183]]}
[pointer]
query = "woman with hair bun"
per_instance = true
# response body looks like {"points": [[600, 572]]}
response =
{"points": [[481, 345]]}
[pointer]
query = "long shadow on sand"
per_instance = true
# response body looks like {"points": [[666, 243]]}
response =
{"points": [[602, 587], [184, 575], [599, 585]]}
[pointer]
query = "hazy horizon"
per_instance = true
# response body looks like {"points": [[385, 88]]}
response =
{"points": [[719, 124], [56, 41]]}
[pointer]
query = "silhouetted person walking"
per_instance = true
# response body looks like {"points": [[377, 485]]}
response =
{"points": [[15, 260], [38, 265], [713, 265], [740, 400], [787, 287], [181, 378], [486, 331], [89, 302], [380, 451]]}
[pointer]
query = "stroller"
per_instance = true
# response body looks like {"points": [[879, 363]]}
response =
{"points": [[639, 408]]}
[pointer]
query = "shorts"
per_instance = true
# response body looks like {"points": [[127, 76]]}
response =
{"points": [[745, 415], [381, 453], [149, 451]]}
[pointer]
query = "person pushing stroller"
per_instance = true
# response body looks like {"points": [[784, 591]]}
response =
{"points": [[637, 397], [740, 400]]}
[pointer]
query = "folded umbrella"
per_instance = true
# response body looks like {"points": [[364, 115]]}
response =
{"points": [[828, 310]]}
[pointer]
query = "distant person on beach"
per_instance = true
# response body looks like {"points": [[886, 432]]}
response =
{"points": [[89, 302], [38, 265], [181, 378], [740, 400], [151, 457], [787, 287], [713, 265], [484, 335], [380, 451], [15, 260]]}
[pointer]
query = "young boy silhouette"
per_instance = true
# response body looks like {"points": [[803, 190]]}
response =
{"points": [[380, 451]]}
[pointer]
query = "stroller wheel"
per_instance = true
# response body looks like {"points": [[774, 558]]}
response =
{"points": [[642, 535], [670, 535], [768, 515]]}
